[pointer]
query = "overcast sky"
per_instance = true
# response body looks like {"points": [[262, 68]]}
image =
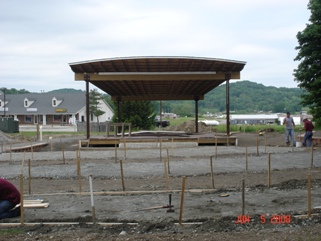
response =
{"points": [[39, 38]]}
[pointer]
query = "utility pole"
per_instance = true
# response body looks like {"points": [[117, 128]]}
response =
{"points": [[4, 100]]}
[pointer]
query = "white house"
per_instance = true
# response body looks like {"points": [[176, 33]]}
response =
{"points": [[51, 108]]}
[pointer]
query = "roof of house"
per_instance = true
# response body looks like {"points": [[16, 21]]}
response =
{"points": [[71, 103]]}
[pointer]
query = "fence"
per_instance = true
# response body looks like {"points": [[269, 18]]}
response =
{"points": [[94, 127]]}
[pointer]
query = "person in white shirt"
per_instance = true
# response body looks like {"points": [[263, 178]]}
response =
{"points": [[288, 122]]}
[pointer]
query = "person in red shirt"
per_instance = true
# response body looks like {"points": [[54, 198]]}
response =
{"points": [[308, 127], [9, 198]]}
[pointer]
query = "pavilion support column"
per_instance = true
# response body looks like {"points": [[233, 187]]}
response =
{"points": [[227, 79], [196, 113], [87, 79], [160, 113], [119, 113]]}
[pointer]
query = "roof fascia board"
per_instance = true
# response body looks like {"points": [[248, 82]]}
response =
{"points": [[121, 76], [156, 98], [158, 73]]}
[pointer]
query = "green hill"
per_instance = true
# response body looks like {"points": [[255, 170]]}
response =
{"points": [[245, 97], [66, 90], [249, 97]]}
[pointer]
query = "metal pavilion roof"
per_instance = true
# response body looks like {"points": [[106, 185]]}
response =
{"points": [[157, 78]]}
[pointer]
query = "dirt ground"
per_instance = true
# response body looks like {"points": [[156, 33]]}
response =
{"points": [[275, 213]]}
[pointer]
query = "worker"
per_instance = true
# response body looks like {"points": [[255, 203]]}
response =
{"points": [[9, 198], [308, 127], [289, 124]]}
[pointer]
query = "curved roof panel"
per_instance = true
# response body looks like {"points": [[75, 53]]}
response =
{"points": [[157, 78]]}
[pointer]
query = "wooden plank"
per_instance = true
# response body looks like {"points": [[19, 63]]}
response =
{"points": [[36, 205], [33, 205], [306, 216], [34, 200], [133, 192], [63, 223], [19, 148]]}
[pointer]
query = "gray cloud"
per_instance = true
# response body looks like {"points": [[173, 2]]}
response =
{"points": [[39, 38]]}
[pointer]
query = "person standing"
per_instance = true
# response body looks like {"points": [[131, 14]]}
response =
{"points": [[308, 127], [289, 129], [9, 198]]}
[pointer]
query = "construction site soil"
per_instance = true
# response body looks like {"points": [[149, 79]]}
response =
{"points": [[276, 202]]}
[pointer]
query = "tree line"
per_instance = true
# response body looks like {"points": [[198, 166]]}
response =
{"points": [[245, 97]]}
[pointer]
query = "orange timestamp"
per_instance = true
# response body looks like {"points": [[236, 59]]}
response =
{"points": [[273, 219]]}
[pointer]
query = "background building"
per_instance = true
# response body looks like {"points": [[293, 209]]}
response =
{"points": [[51, 108]]}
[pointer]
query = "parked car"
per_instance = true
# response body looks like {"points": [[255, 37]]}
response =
{"points": [[162, 123]]}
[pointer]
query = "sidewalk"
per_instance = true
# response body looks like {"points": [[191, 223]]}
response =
{"points": [[48, 128]]}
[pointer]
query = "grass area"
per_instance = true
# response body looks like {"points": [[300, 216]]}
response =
{"points": [[178, 121], [236, 128], [10, 232]]}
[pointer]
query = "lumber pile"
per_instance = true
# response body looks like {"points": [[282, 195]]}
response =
{"points": [[34, 204]]}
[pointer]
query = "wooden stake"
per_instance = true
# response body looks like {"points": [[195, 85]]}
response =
{"points": [[38, 131], [257, 146], [10, 152], [212, 174], [172, 146], [23, 162], [79, 146], [243, 196], [246, 159], [269, 169], [125, 150], [22, 220], [115, 151], [122, 174], [63, 153], [51, 145], [311, 166], [92, 200], [309, 195], [31, 150], [166, 174], [215, 146], [160, 149], [29, 176], [182, 200], [79, 171], [168, 166]]}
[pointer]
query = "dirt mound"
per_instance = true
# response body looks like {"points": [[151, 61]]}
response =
{"points": [[189, 127]]}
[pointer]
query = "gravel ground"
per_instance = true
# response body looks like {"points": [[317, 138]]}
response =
{"points": [[55, 180]]}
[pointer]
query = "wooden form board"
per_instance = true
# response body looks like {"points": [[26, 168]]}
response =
{"points": [[34, 204]]}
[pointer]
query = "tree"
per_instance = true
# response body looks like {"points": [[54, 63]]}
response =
{"points": [[139, 113], [15, 91], [184, 108], [108, 99], [94, 105], [308, 72]]}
